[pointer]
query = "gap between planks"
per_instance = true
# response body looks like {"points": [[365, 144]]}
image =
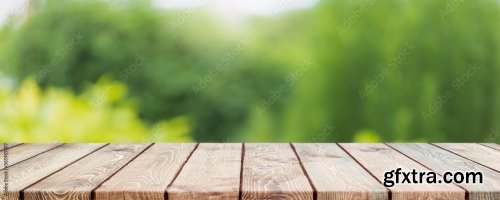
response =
{"points": [[388, 159], [491, 145], [184, 163], [389, 191], [179, 171], [293, 148], [21, 193], [92, 196], [92, 193], [73, 182], [19, 153], [468, 158], [442, 161], [240, 192], [272, 170], [315, 191], [415, 160], [9, 145]]}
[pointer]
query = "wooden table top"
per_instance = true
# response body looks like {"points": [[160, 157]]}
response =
{"points": [[244, 171]]}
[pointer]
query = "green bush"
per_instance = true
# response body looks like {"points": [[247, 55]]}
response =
{"points": [[171, 69], [57, 115], [343, 70]]}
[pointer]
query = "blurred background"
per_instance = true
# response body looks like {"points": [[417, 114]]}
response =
{"points": [[250, 70]]}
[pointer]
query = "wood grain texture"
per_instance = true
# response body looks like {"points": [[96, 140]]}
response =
{"points": [[212, 172], [30, 171], [79, 179], [148, 175], [19, 153], [380, 158], [442, 161], [336, 175], [272, 171], [475, 152], [492, 145], [269, 171]]}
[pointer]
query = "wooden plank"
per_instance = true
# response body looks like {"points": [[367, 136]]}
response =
{"points": [[272, 171], [148, 175], [27, 173], [22, 152], [9, 145], [212, 172], [335, 175], [492, 145], [79, 179], [380, 158], [442, 161], [475, 152]]}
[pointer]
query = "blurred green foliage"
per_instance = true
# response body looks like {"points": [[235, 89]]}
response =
{"points": [[408, 70], [170, 72], [363, 71], [56, 115]]}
